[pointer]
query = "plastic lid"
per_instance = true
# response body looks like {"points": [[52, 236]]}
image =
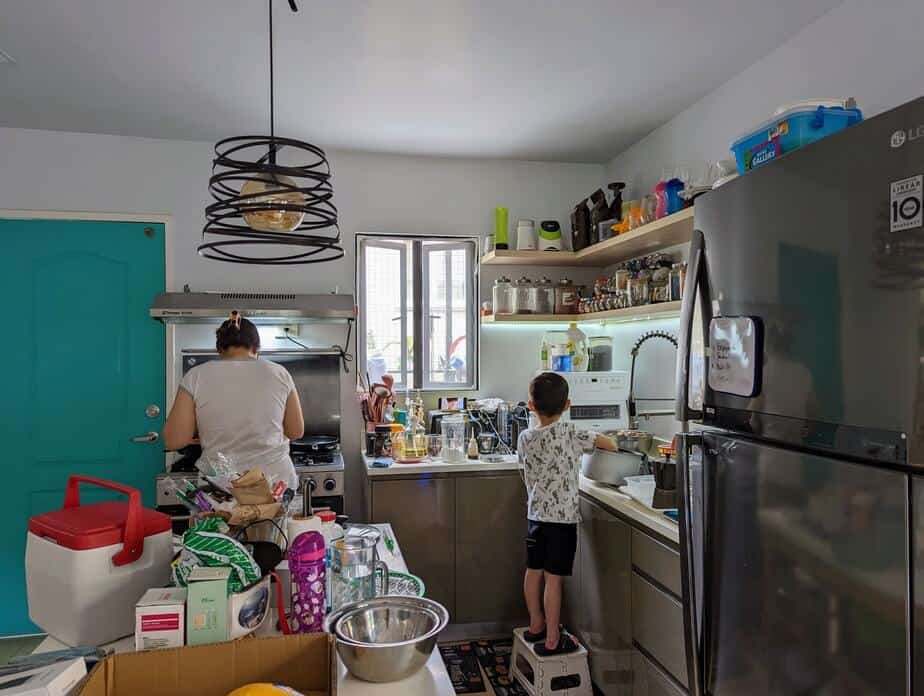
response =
{"points": [[94, 526], [308, 546], [803, 107], [327, 516]]}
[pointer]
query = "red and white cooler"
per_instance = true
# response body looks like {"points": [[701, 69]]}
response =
{"points": [[87, 565]]}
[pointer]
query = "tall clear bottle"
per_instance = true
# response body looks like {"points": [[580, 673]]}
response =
{"points": [[578, 348]]}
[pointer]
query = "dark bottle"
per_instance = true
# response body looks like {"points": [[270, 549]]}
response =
{"points": [[598, 213], [580, 226], [616, 206]]}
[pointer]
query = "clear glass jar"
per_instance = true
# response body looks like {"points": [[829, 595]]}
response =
{"points": [[601, 354], [566, 297], [522, 296], [501, 294], [638, 290], [621, 279], [454, 430], [544, 294]]}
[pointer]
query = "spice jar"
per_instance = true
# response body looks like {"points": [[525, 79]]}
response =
{"points": [[522, 296], [501, 294], [638, 289], [566, 297], [621, 278], [544, 294]]}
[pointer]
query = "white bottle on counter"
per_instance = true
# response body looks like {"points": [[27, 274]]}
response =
{"points": [[577, 348]]}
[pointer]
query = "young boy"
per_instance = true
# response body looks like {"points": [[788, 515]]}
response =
{"points": [[551, 459]]}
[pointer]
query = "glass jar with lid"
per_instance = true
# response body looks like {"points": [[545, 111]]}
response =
{"points": [[502, 295], [566, 297], [544, 296], [522, 296], [601, 354]]}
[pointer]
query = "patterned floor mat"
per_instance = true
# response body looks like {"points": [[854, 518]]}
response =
{"points": [[462, 665], [494, 656]]}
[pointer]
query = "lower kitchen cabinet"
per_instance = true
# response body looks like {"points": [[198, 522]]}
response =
{"points": [[605, 618], [465, 536], [649, 680], [490, 549], [423, 514], [657, 626]]}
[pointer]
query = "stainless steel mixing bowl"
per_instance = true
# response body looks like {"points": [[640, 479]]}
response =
{"points": [[387, 638]]}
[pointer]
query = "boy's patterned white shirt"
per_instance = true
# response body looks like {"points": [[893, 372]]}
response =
{"points": [[551, 459]]}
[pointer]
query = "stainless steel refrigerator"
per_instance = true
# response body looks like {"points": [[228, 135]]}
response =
{"points": [[802, 357]]}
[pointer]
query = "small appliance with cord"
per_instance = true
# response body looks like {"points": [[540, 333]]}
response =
{"points": [[599, 400]]}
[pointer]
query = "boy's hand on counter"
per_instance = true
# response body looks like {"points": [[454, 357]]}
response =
{"points": [[605, 443]]}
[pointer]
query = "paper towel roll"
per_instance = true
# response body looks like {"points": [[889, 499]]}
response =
{"points": [[298, 524]]}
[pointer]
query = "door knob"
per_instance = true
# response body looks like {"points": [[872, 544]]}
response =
{"points": [[152, 436]]}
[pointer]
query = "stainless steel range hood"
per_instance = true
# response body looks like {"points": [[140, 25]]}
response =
{"points": [[259, 307]]}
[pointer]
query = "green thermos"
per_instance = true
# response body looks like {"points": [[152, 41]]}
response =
{"points": [[501, 227]]}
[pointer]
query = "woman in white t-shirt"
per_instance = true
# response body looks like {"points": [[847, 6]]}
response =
{"points": [[241, 407]]}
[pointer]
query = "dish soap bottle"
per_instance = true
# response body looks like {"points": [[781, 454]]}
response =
{"points": [[544, 362], [473, 448], [577, 348]]}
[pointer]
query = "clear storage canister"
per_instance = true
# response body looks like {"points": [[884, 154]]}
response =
{"points": [[502, 295], [566, 297], [601, 354], [544, 294], [522, 296]]}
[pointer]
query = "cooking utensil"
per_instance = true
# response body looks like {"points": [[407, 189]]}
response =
{"points": [[387, 638], [610, 468]]}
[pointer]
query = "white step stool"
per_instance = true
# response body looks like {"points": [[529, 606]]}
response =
{"points": [[555, 675]]}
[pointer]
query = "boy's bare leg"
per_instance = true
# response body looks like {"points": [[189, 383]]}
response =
{"points": [[553, 585], [532, 590]]}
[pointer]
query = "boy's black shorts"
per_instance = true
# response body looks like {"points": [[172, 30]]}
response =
{"points": [[550, 546]]}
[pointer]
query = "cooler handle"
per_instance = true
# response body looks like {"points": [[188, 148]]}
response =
{"points": [[133, 539]]}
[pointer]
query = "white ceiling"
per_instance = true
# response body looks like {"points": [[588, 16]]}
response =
{"points": [[527, 79]]}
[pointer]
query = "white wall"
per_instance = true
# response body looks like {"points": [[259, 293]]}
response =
{"points": [[868, 50], [44, 170]]}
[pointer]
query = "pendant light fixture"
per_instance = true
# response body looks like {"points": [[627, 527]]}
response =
{"points": [[277, 209]]}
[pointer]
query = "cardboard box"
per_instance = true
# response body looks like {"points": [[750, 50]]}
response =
{"points": [[207, 605], [160, 619], [57, 679], [305, 662]]}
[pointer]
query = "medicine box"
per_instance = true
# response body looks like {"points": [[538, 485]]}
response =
{"points": [[207, 605], [160, 619]]}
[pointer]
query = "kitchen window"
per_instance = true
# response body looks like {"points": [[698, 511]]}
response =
{"points": [[418, 310]]}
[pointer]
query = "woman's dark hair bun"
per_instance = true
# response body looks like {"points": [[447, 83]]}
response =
{"points": [[237, 332]]}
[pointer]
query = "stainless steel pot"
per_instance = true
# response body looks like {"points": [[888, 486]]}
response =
{"points": [[387, 638], [611, 468]]}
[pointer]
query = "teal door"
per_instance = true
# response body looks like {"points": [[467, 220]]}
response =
{"points": [[84, 361]]}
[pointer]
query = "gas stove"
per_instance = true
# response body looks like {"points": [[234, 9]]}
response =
{"points": [[327, 476]]}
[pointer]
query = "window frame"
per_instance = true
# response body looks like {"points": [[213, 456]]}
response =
{"points": [[421, 246]]}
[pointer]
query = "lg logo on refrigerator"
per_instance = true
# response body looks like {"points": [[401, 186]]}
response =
{"points": [[900, 137]]}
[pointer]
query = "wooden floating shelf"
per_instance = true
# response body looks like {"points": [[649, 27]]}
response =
{"points": [[660, 310], [660, 234]]}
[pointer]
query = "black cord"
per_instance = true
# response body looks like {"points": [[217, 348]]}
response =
{"points": [[272, 100], [344, 355]]}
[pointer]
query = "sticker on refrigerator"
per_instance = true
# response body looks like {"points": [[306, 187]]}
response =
{"points": [[906, 210], [735, 349]]}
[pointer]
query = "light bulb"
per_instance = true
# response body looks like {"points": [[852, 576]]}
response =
{"points": [[281, 219]]}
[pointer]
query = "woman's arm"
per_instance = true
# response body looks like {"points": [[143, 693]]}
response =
{"points": [[293, 422], [180, 428]]}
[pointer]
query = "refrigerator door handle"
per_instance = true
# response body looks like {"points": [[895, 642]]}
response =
{"points": [[691, 627], [694, 287]]}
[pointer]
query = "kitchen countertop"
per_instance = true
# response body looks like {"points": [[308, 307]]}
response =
{"points": [[432, 680], [429, 466], [634, 510]]}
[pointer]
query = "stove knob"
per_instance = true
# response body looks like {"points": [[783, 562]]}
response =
{"points": [[329, 484], [312, 484]]}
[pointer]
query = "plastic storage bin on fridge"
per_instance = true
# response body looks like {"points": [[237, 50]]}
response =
{"points": [[87, 565], [791, 128]]}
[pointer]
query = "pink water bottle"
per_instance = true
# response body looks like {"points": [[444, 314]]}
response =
{"points": [[660, 192], [308, 570]]}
